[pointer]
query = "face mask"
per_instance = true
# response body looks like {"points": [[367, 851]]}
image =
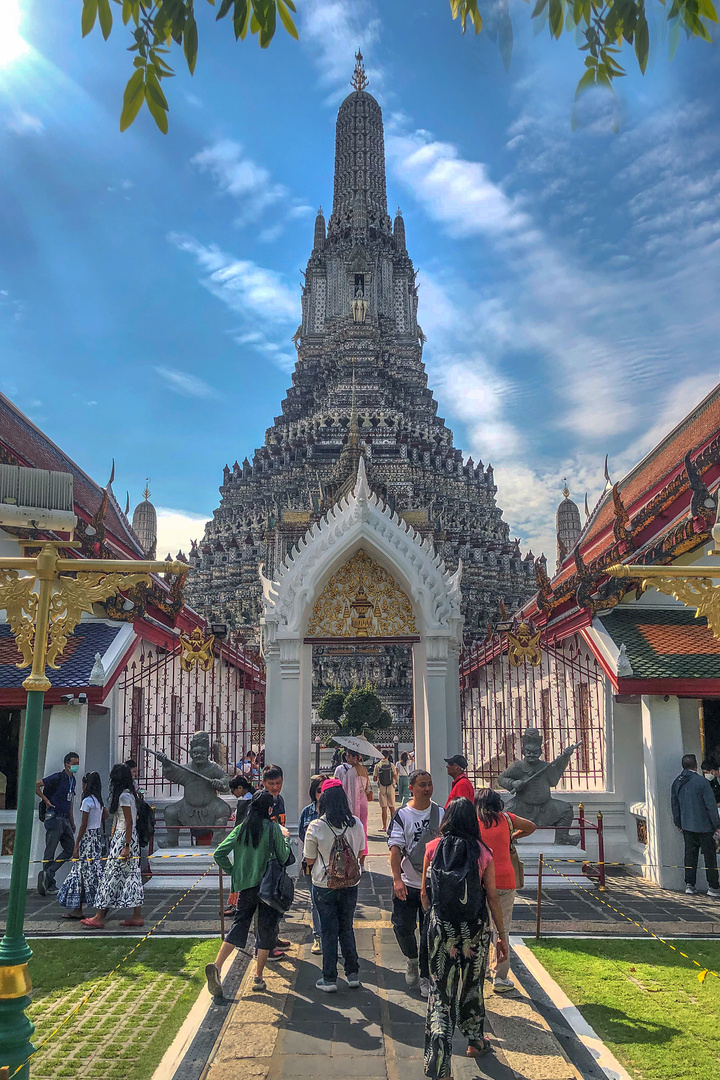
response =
{"points": [[74, 768]]}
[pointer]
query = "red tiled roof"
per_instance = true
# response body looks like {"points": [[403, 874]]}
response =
{"points": [[35, 450], [655, 470]]}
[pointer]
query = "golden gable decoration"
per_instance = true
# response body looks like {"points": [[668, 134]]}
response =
{"points": [[362, 600]]}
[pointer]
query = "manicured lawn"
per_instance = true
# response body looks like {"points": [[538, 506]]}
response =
{"points": [[127, 1025], [645, 1002]]}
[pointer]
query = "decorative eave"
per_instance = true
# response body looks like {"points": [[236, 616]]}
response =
{"points": [[363, 516]]}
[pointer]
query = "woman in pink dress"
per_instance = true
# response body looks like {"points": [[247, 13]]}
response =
{"points": [[354, 778]]}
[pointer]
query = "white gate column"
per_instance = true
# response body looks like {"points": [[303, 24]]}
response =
{"points": [[437, 708], [287, 718], [662, 754]]}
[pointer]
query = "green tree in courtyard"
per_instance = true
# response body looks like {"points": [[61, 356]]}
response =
{"points": [[363, 711], [602, 27], [331, 706]]}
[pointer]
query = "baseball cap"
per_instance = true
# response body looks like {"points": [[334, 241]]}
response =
{"points": [[457, 759]]}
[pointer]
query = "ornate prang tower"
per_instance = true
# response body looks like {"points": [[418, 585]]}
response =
{"points": [[359, 387]]}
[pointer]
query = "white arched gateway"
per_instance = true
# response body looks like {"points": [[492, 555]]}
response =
{"points": [[360, 572]]}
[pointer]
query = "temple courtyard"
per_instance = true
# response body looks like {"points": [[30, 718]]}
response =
{"points": [[147, 1000]]}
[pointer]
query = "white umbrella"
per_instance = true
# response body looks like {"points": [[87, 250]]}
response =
{"points": [[360, 746]]}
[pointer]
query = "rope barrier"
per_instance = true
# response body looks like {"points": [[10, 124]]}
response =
{"points": [[109, 975], [702, 973]]}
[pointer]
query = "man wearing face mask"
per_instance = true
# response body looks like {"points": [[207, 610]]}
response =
{"points": [[56, 793]]}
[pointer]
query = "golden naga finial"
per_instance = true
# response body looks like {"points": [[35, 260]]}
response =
{"points": [[359, 80], [146, 492]]}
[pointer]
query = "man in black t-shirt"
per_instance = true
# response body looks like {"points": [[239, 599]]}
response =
{"points": [[56, 793]]}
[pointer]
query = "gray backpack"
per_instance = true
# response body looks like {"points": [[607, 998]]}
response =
{"points": [[416, 855]]}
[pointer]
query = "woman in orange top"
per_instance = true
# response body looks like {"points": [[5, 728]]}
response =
{"points": [[497, 829]]}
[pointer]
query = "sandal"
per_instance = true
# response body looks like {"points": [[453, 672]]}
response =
{"points": [[92, 925], [73, 915], [479, 1049], [132, 922]]}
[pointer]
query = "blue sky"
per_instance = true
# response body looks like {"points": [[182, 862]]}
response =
{"points": [[150, 285]]}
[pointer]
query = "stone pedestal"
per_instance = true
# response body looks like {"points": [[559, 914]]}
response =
{"points": [[567, 861]]}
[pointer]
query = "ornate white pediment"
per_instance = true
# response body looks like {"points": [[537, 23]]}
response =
{"points": [[362, 520]]}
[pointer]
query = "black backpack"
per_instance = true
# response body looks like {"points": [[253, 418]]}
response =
{"points": [[145, 822], [458, 894], [385, 774]]}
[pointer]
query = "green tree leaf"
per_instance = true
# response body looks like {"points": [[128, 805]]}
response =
{"points": [[190, 42], [132, 99], [105, 15], [157, 112], [89, 14], [642, 41], [287, 20]]}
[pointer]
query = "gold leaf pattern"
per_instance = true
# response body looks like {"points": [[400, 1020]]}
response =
{"points": [[362, 600], [76, 595], [20, 603]]}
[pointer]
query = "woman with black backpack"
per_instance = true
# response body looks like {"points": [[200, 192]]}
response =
{"points": [[254, 843], [334, 845], [462, 883]]}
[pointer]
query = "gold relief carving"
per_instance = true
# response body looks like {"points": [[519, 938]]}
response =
{"points": [[524, 645], [20, 601], [414, 517], [76, 595], [296, 517], [362, 600], [196, 650]]}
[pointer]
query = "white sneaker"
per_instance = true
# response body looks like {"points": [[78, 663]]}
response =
{"points": [[714, 894], [501, 986], [353, 981], [412, 974], [425, 988], [690, 890], [326, 987]]}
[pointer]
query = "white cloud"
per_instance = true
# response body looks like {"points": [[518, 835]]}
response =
{"points": [[333, 31], [260, 296], [181, 382], [252, 185], [176, 528], [245, 287], [23, 123], [456, 192]]}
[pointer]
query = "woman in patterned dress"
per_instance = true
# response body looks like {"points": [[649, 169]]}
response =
{"points": [[458, 929], [80, 886], [121, 883]]}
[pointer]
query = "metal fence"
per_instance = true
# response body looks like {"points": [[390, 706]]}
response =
{"points": [[562, 696], [164, 702]]}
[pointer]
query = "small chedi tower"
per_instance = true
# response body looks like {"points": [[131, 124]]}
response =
{"points": [[144, 523], [567, 525], [359, 388]]}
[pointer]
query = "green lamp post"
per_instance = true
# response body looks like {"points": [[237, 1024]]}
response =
{"points": [[43, 606]]}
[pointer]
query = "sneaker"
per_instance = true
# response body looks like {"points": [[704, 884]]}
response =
{"points": [[714, 894], [316, 947], [501, 986], [326, 987], [412, 974], [425, 988], [276, 954], [41, 883], [280, 944], [213, 980], [50, 887], [259, 984], [690, 890], [353, 981]]}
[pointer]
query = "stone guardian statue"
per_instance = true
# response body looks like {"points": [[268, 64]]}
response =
{"points": [[531, 782], [199, 809]]}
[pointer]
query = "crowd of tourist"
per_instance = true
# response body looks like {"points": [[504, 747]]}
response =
{"points": [[453, 885]]}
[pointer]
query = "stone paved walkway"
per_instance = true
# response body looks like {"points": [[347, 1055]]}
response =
{"points": [[575, 909], [377, 1032]]}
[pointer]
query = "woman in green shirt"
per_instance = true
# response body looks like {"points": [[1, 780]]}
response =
{"points": [[252, 844]]}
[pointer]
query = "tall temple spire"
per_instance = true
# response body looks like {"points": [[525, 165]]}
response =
{"points": [[359, 160]]}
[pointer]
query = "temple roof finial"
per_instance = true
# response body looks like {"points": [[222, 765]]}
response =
{"points": [[566, 490], [359, 80], [146, 492]]}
